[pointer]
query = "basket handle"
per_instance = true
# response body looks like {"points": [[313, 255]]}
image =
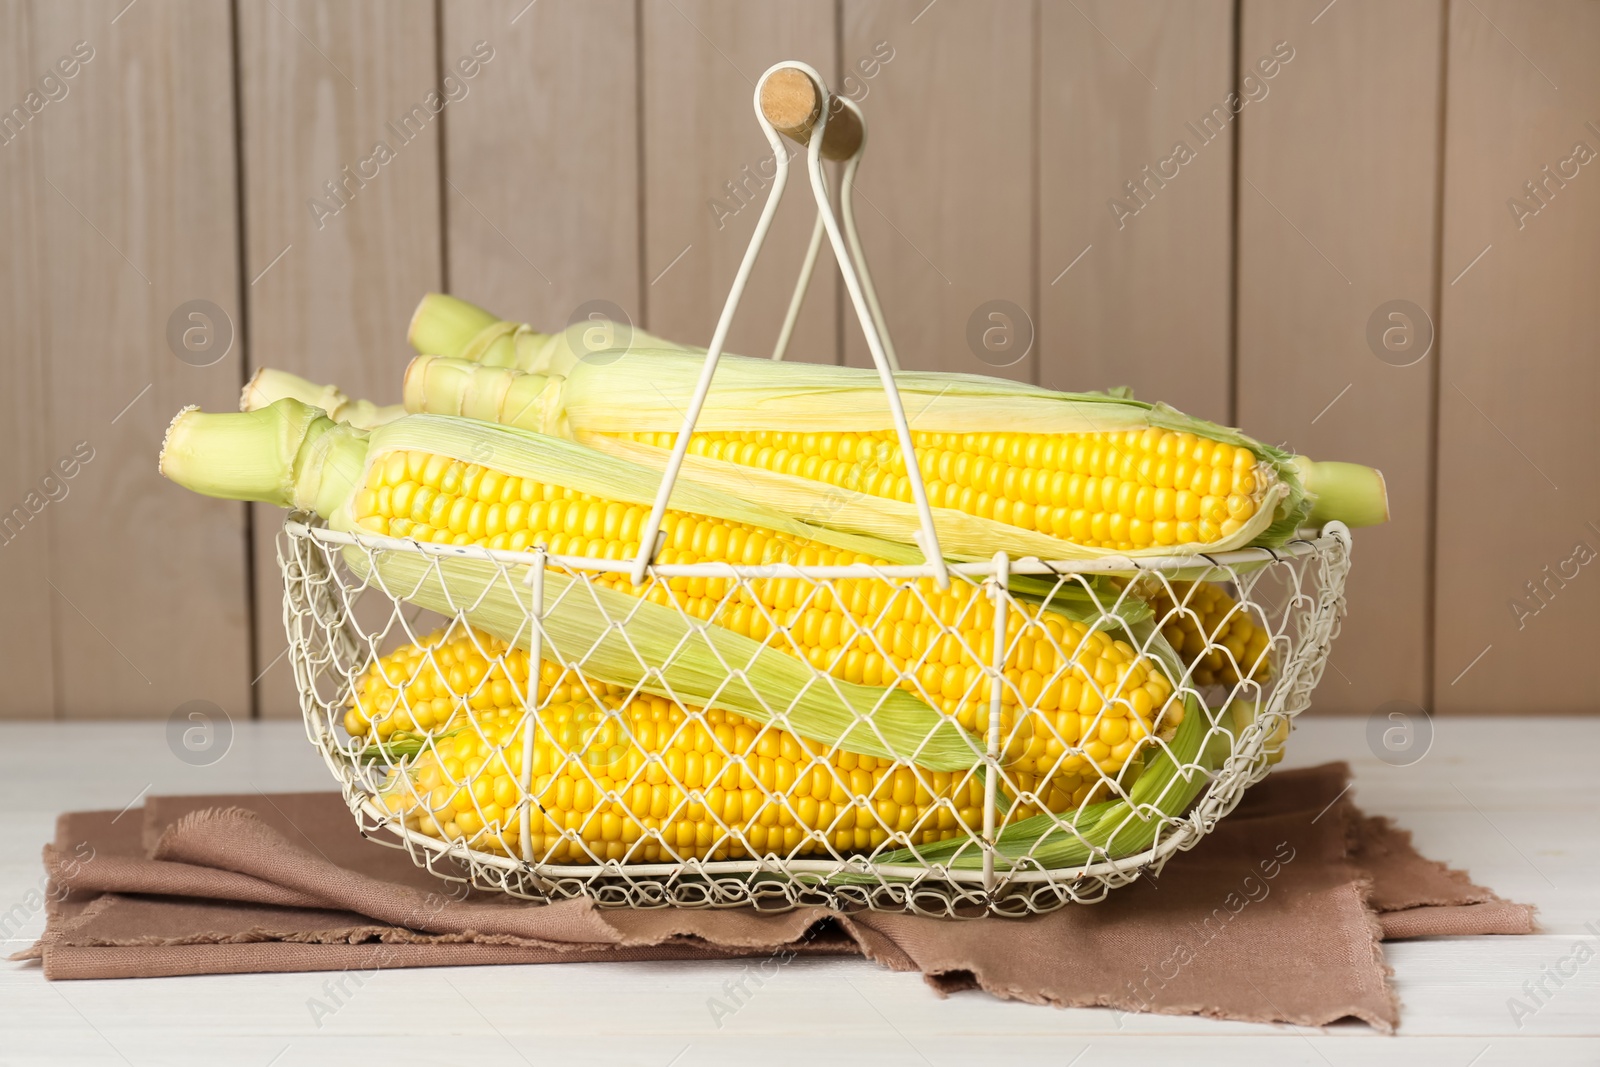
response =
{"points": [[792, 102], [816, 136], [846, 113]]}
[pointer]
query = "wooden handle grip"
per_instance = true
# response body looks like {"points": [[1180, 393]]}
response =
{"points": [[793, 104]]}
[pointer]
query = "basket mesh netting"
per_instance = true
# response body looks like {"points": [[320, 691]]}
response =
{"points": [[1039, 734]]}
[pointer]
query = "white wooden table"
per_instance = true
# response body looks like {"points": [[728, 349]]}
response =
{"points": [[1513, 801]]}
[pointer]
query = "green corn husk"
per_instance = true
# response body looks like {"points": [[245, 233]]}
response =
{"points": [[289, 455], [444, 385], [402, 745], [269, 386], [1231, 730], [446, 326]]}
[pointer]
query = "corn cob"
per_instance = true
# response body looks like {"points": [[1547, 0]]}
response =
{"points": [[1133, 489], [1077, 702], [1006, 465], [591, 802], [1209, 631], [418, 688], [631, 778]]}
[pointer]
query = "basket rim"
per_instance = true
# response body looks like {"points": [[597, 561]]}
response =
{"points": [[1307, 542]]}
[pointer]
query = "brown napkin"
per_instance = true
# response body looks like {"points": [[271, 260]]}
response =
{"points": [[1275, 916]]}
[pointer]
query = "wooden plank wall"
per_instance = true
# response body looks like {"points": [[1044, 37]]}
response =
{"points": [[541, 163], [1519, 373], [1025, 161], [952, 133], [25, 629], [1338, 201], [1140, 294], [123, 181]]}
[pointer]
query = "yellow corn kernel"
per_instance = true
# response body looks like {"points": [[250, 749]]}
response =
{"points": [[1150, 475], [1208, 629]]}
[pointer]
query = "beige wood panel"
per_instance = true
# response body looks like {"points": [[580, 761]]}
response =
{"points": [[1519, 491], [708, 173], [946, 192], [334, 273], [1136, 287], [542, 205], [1337, 198], [138, 216], [25, 458]]}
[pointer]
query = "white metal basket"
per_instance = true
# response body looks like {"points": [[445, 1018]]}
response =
{"points": [[1000, 858]]}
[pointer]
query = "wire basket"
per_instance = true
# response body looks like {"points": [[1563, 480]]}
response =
{"points": [[1185, 672], [339, 624]]}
